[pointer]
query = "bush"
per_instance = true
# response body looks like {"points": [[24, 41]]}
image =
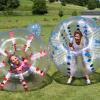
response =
{"points": [[39, 7], [13, 4], [74, 13], [77, 2], [92, 4], [98, 4], [63, 2], [51, 1], [8, 4], [60, 13]]}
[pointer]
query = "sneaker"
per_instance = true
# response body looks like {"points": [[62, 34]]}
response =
{"points": [[88, 81], [69, 81]]}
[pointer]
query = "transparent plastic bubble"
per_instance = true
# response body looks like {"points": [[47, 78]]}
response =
{"points": [[24, 60], [95, 48], [35, 29], [72, 46]]}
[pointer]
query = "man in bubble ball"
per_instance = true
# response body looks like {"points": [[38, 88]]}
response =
{"points": [[18, 66], [76, 48]]}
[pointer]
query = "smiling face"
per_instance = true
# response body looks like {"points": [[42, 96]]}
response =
{"points": [[14, 60], [78, 36]]}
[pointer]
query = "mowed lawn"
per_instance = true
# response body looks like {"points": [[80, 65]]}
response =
{"points": [[53, 91]]}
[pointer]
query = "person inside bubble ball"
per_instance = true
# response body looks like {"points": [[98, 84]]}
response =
{"points": [[18, 66], [76, 46]]}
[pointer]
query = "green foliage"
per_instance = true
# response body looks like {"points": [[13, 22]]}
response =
{"points": [[39, 7], [98, 3], [82, 2], [60, 13], [78, 2], [92, 4], [8, 4], [2, 4], [74, 13], [63, 2], [51, 1]]}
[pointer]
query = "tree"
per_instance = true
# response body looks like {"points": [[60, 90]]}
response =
{"points": [[98, 4], [77, 2], [92, 4], [63, 2], [8, 4], [51, 1], [13, 4], [39, 7], [82, 2], [60, 13]]}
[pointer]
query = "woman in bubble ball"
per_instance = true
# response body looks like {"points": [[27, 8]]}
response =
{"points": [[18, 66], [76, 45]]}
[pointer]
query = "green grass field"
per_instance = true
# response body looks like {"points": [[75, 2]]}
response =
{"points": [[54, 91]]}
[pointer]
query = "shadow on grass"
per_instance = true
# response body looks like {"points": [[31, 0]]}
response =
{"points": [[60, 78], [34, 83]]}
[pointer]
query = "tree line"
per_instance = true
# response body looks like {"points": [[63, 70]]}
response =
{"points": [[90, 4], [40, 7]]}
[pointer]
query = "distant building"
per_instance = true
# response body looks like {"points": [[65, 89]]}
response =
{"points": [[91, 14]]}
